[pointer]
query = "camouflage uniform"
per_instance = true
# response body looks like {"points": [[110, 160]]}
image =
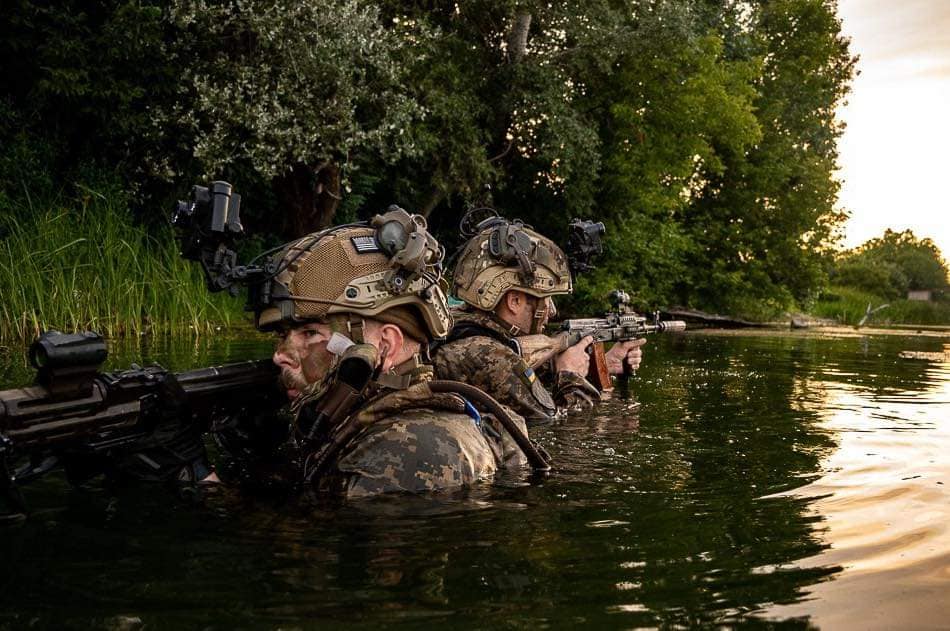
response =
{"points": [[414, 440], [492, 362]]}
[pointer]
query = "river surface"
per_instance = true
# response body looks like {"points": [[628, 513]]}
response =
{"points": [[801, 479]]}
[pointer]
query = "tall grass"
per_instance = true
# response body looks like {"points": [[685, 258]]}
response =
{"points": [[848, 305], [79, 261]]}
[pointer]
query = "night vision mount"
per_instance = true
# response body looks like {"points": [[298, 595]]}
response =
{"points": [[509, 244], [208, 226], [584, 243]]}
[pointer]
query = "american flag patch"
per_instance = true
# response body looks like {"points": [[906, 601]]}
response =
{"points": [[365, 244]]}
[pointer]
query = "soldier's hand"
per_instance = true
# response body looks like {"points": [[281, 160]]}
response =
{"points": [[575, 358], [622, 352]]}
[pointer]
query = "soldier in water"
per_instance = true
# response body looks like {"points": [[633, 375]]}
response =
{"points": [[507, 276], [354, 308]]}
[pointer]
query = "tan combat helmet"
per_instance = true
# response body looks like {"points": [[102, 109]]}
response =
{"points": [[388, 269], [505, 255]]}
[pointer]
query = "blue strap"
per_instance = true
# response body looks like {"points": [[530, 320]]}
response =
{"points": [[471, 411]]}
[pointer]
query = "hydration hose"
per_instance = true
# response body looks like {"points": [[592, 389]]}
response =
{"points": [[538, 461], [317, 462]]}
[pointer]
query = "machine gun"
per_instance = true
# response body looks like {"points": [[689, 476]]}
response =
{"points": [[73, 410], [617, 325]]}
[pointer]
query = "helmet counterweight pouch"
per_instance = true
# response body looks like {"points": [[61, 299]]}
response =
{"points": [[510, 244]]}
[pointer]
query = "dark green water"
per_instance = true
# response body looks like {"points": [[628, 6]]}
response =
{"points": [[766, 479]]}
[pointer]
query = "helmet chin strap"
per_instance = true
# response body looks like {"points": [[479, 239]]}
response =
{"points": [[349, 326], [383, 356], [540, 315], [537, 322]]}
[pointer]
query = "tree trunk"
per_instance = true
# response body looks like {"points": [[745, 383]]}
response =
{"points": [[435, 198], [518, 37], [309, 197], [517, 42]]}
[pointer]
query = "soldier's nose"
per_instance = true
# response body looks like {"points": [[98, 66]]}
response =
{"points": [[282, 358]]}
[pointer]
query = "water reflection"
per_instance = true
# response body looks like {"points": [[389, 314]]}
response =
{"points": [[885, 503], [759, 479]]}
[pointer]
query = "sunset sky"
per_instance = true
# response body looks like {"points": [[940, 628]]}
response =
{"points": [[893, 159]]}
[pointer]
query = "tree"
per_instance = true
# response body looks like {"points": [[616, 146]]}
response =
{"points": [[298, 93], [675, 106], [892, 264], [294, 95], [701, 131], [765, 224], [505, 87]]}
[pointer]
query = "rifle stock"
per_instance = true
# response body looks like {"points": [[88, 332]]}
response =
{"points": [[74, 408], [539, 349]]}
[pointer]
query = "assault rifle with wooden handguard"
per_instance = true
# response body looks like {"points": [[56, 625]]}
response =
{"points": [[619, 325], [73, 412]]}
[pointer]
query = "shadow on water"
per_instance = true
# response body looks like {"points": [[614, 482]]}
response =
{"points": [[689, 510]]}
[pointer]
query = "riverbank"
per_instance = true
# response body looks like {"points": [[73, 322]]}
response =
{"points": [[848, 305], [835, 330]]}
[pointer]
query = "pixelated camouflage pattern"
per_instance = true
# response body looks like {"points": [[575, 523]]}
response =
{"points": [[414, 440], [487, 363], [574, 391]]}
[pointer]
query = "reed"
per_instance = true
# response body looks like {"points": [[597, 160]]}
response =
{"points": [[79, 261], [848, 305]]}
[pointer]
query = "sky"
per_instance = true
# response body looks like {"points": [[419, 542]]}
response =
{"points": [[895, 168]]}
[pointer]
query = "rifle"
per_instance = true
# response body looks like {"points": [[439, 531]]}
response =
{"points": [[619, 325], [73, 409]]}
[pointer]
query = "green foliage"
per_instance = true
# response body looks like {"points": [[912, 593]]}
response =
{"points": [[76, 261], [893, 264], [507, 119], [764, 224], [676, 107], [272, 84], [702, 133], [84, 75], [877, 277]]}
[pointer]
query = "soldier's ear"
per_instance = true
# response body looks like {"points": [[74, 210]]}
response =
{"points": [[513, 299], [391, 340]]}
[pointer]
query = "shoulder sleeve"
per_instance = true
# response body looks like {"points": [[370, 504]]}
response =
{"points": [[490, 365], [418, 451]]}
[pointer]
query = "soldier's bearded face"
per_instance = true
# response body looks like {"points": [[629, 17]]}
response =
{"points": [[302, 356]]}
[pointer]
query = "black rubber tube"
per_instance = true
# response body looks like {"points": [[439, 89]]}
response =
{"points": [[481, 399]]}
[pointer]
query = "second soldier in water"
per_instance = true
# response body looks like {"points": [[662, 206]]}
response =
{"points": [[507, 276]]}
